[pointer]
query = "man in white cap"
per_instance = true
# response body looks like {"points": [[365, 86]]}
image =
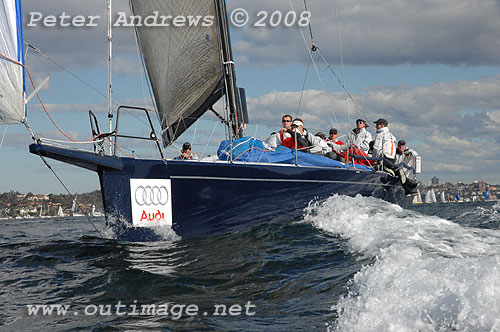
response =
{"points": [[306, 141], [360, 138]]}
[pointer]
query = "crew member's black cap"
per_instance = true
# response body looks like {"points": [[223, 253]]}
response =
{"points": [[361, 120], [382, 121], [333, 131], [186, 146], [401, 142]]}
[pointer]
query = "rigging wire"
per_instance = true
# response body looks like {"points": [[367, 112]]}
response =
{"points": [[303, 88], [41, 102], [3, 137], [313, 47], [37, 50], [317, 71], [316, 48], [342, 63], [93, 140], [69, 193], [349, 94]]}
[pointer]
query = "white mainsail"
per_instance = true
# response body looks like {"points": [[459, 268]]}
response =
{"points": [[12, 107], [417, 199], [183, 62], [428, 197], [433, 196], [60, 212], [73, 206], [443, 198]]}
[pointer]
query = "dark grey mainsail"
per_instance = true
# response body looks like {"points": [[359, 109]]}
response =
{"points": [[183, 60]]}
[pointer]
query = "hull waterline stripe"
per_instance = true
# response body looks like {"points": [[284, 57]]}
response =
{"points": [[276, 180]]}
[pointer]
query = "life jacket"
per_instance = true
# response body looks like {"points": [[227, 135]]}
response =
{"points": [[287, 140], [357, 152]]}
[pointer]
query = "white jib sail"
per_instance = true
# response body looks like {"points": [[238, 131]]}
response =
{"points": [[12, 107]]}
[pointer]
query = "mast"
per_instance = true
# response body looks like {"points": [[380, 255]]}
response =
{"points": [[232, 93], [110, 67]]}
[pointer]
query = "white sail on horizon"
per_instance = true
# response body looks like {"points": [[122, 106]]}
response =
{"points": [[428, 197], [433, 196]]}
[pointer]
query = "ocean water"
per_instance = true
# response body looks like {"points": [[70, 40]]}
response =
{"points": [[346, 264]]}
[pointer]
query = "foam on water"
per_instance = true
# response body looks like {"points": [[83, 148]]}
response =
{"points": [[166, 233], [489, 216], [429, 274]]}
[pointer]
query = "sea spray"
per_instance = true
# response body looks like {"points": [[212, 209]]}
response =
{"points": [[429, 273]]}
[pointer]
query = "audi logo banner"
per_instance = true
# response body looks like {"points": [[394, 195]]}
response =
{"points": [[151, 202]]}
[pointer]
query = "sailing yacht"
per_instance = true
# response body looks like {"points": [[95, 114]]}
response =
{"points": [[430, 196], [191, 68], [74, 208], [417, 199], [60, 212]]}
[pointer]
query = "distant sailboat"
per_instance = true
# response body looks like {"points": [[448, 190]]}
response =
{"points": [[418, 198], [433, 196], [95, 213], [443, 198], [430, 196], [73, 208], [60, 212], [457, 197]]}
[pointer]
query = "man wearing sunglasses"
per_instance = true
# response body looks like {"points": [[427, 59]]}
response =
{"points": [[186, 153], [283, 137], [360, 137]]}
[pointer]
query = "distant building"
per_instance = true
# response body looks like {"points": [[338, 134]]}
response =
{"points": [[434, 180]]}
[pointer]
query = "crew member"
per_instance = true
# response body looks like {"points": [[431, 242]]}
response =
{"points": [[360, 137], [385, 142], [305, 141], [405, 160], [333, 137], [283, 137], [186, 153]]}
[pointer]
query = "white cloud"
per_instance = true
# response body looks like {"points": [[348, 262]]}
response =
{"points": [[373, 33], [381, 32]]}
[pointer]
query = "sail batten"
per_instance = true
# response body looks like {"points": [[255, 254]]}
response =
{"points": [[183, 62], [12, 107]]}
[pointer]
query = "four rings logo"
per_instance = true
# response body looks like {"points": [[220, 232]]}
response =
{"points": [[151, 202], [151, 195]]}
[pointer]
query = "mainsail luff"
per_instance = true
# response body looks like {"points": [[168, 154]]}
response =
{"points": [[184, 63], [12, 107], [232, 92]]}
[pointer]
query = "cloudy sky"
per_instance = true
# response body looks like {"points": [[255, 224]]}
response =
{"points": [[430, 67]]}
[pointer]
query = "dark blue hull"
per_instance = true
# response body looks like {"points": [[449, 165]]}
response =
{"points": [[210, 198]]}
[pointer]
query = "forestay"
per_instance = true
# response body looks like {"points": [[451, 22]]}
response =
{"points": [[12, 107], [183, 60]]}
